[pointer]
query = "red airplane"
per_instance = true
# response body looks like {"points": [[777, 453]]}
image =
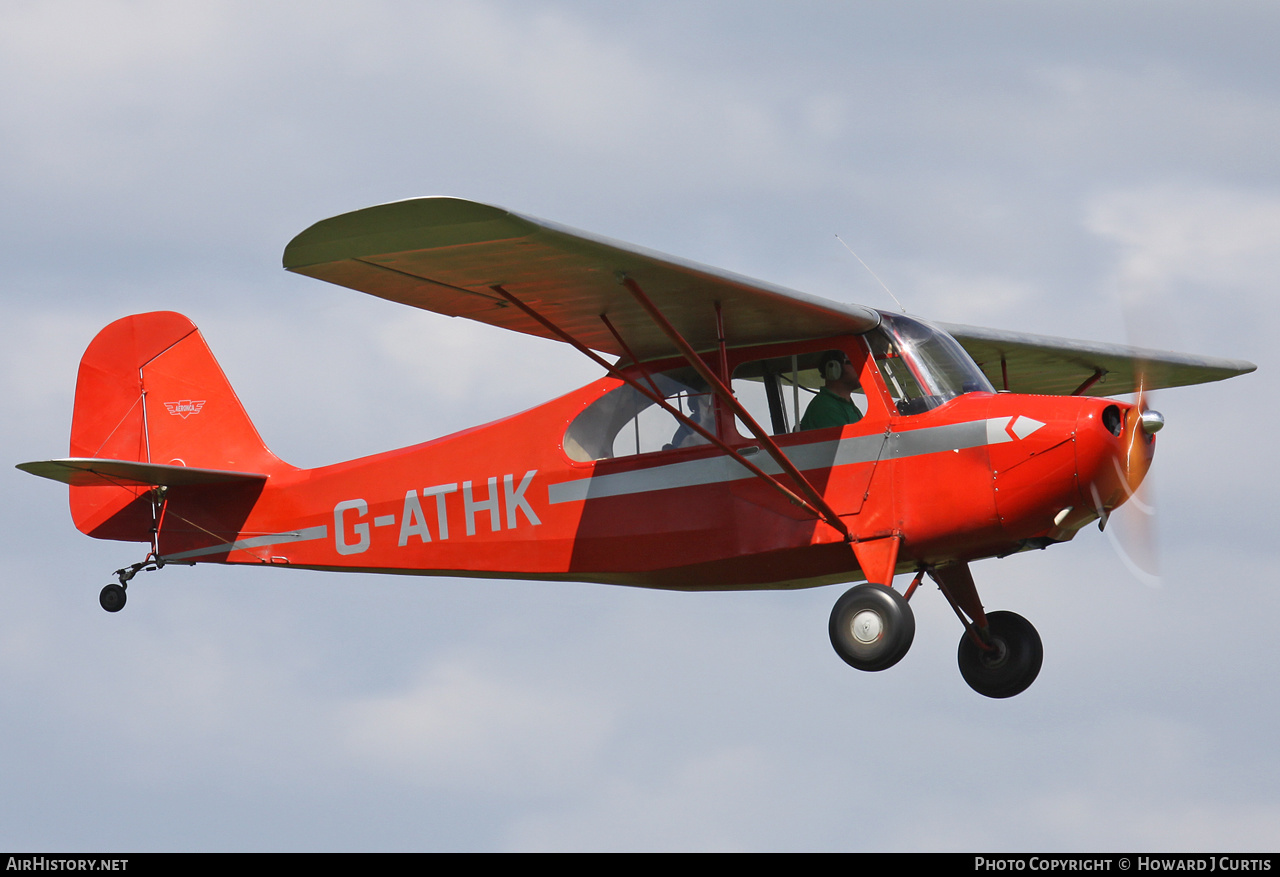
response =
{"points": [[745, 436]]}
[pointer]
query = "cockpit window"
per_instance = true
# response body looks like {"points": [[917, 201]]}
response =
{"points": [[922, 366], [624, 421], [777, 392]]}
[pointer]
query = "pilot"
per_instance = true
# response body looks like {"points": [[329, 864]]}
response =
{"points": [[833, 406]]}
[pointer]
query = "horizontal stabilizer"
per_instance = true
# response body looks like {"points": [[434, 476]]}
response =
{"points": [[94, 472]]}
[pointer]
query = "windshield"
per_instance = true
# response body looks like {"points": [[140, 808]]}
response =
{"points": [[922, 365]]}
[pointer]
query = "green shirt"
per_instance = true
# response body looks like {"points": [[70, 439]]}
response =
{"points": [[828, 409]]}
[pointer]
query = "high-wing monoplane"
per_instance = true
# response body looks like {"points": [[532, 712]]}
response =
{"points": [[744, 436]]}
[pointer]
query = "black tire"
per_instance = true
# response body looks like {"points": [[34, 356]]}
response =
{"points": [[1011, 666], [112, 598], [872, 627]]}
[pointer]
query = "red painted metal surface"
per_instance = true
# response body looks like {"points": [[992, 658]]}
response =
{"points": [[979, 476]]}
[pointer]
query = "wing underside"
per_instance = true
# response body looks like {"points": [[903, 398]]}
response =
{"points": [[1042, 364], [450, 256], [446, 255]]}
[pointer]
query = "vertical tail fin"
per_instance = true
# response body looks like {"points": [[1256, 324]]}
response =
{"points": [[150, 391]]}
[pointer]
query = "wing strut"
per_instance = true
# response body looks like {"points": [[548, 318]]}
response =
{"points": [[820, 511], [1097, 375], [827, 513]]}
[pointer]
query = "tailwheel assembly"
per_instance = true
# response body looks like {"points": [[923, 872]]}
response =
{"points": [[872, 627], [1007, 661], [113, 597]]}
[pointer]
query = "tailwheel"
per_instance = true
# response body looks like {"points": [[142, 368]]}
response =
{"points": [[1011, 663], [872, 627], [112, 598]]}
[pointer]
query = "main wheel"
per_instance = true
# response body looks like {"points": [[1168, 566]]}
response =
{"points": [[1010, 665], [872, 627], [112, 598]]}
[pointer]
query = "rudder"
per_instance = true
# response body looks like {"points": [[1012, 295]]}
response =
{"points": [[150, 390]]}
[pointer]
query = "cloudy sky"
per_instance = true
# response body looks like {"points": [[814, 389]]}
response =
{"points": [[1101, 170]]}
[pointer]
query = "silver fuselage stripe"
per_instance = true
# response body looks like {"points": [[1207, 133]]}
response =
{"points": [[817, 455], [308, 534]]}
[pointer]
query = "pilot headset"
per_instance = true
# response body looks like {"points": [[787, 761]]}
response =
{"points": [[833, 364]]}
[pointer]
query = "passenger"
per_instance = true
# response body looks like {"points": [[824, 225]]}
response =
{"points": [[833, 405], [702, 413]]}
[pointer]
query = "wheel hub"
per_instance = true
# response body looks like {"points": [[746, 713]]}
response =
{"points": [[996, 655], [867, 627]]}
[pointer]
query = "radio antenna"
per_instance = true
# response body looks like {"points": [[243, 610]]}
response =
{"points": [[872, 273]]}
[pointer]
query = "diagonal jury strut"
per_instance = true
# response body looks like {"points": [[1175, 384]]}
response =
{"points": [[657, 398], [827, 513]]}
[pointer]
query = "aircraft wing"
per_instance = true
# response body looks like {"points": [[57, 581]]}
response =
{"points": [[446, 254], [1058, 366]]}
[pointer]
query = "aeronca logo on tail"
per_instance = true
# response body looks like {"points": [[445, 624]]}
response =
{"points": [[184, 408]]}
